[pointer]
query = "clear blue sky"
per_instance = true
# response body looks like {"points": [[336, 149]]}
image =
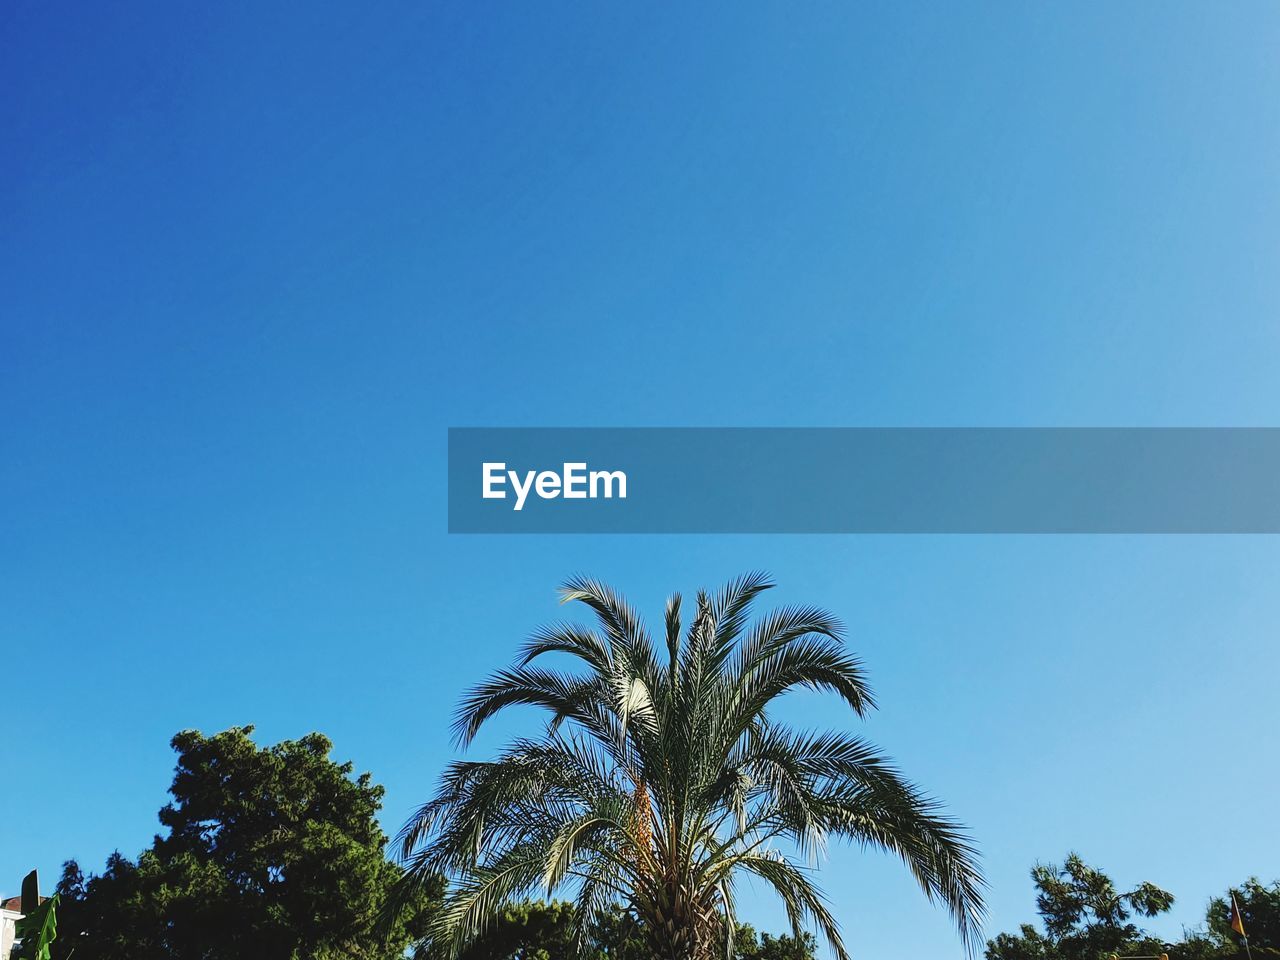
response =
{"points": [[254, 262]]}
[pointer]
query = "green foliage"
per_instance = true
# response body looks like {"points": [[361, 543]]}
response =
{"points": [[747, 946], [528, 931], [541, 930], [662, 778], [37, 930], [1027, 944], [1260, 911], [1084, 917], [270, 852]]}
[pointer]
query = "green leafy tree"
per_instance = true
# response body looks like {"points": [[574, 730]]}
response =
{"points": [[38, 928], [532, 930], [663, 777], [618, 935], [747, 946], [270, 852], [1260, 912], [541, 930], [1084, 917]]}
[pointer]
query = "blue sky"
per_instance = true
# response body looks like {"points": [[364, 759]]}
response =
{"points": [[253, 265]]}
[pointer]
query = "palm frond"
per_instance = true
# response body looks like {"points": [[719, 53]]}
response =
{"points": [[656, 784]]}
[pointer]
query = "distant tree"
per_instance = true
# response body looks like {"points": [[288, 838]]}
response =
{"points": [[1027, 944], [747, 946], [533, 930], [619, 936], [271, 852], [1084, 917], [541, 930], [1260, 912], [546, 930]]}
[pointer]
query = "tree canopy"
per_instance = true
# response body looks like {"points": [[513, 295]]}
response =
{"points": [[269, 852], [1260, 913], [541, 930], [1084, 916]]}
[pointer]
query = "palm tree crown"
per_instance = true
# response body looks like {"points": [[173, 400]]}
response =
{"points": [[659, 780]]}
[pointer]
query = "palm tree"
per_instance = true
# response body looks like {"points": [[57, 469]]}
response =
{"points": [[659, 781]]}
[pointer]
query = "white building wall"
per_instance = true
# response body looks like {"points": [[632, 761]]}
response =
{"points": [[7, 920]]}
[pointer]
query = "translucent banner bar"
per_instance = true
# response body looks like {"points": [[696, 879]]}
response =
{"points": [[863, 480]]}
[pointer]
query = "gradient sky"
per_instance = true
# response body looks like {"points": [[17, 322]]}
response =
{"points": [[254, 262]]}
